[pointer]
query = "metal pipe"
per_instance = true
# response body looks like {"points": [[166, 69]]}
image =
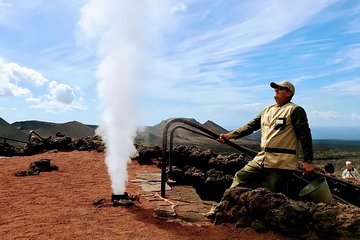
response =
{"points": [[12, 139], [35, 133], [355, 189], [172, 140], [201, 128]]}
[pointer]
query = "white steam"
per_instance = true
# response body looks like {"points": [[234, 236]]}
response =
{"points": [[123, 33]]}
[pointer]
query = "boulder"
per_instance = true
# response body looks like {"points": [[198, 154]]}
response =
{"points": [[261, 209]]}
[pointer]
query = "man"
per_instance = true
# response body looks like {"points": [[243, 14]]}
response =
{"points": [[285, 138], [350, 172]]}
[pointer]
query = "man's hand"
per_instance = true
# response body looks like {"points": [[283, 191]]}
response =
{"points": [[307, 168], [223, 137]]}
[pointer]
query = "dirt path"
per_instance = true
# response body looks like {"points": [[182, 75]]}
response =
{"points": [[58, 204]]}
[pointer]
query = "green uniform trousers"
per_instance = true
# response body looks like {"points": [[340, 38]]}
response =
{"points": [[254, 175]]}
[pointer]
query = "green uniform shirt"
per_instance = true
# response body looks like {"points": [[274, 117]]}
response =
{"points": [[300, 124]]}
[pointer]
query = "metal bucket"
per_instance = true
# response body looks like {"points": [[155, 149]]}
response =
{"points": [[317, 191]]}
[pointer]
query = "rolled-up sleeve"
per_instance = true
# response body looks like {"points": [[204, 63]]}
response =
{"points": [[302, 130]]}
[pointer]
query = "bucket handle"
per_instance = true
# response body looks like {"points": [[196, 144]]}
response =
{"points": [[336, 197]]}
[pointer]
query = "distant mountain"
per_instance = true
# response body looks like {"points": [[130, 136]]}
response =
{"points": [[156, 131], [27, 126], [73, 129], [153, 134], [9, 131], [214, 127]]}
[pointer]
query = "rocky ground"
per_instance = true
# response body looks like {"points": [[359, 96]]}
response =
{"points": [[210, 174], [61, 204], [71, 197]]}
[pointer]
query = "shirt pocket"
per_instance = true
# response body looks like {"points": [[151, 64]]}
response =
{"points": [[280, 123]]}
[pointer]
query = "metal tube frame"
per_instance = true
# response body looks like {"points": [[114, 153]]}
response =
{"points": [[208, 133], [171, 144]]}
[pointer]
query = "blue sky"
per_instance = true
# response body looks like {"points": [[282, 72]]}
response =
{"points": [[208, 60]]}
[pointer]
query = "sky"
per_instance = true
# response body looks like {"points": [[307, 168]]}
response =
{"points": [[208, 60]]}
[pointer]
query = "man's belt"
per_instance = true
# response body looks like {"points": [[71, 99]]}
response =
{"points": [[280, 150]]}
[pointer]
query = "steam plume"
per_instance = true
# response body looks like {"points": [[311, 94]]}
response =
{"points": [[122, 32]]}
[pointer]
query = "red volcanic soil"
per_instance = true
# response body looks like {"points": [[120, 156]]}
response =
{"points": [[59, 204]]}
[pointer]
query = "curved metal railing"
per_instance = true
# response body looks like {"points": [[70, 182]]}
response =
{"points": [[208, 133], [349, 192], [32, 132]]}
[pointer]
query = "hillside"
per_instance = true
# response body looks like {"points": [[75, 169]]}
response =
{"points": [[153, 134], [9, 131], [73, 129], [27, 126], [147, 135]]}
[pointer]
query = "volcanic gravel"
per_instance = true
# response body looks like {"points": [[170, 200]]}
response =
{"points": [[59, 204]]}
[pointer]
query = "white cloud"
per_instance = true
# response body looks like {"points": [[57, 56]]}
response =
{"points": [[21, 81], [18, 73], [353, 116], [7, 90], [12, 12], [211, 57], [270, 20], [354, 26], [350, 57], [181, 7], [61, 98], [13, 78], [302, 78], [346, 87], [332, 115], [33, 100], [5, 4], [324, 115], [61, 93], [5, 7]]}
